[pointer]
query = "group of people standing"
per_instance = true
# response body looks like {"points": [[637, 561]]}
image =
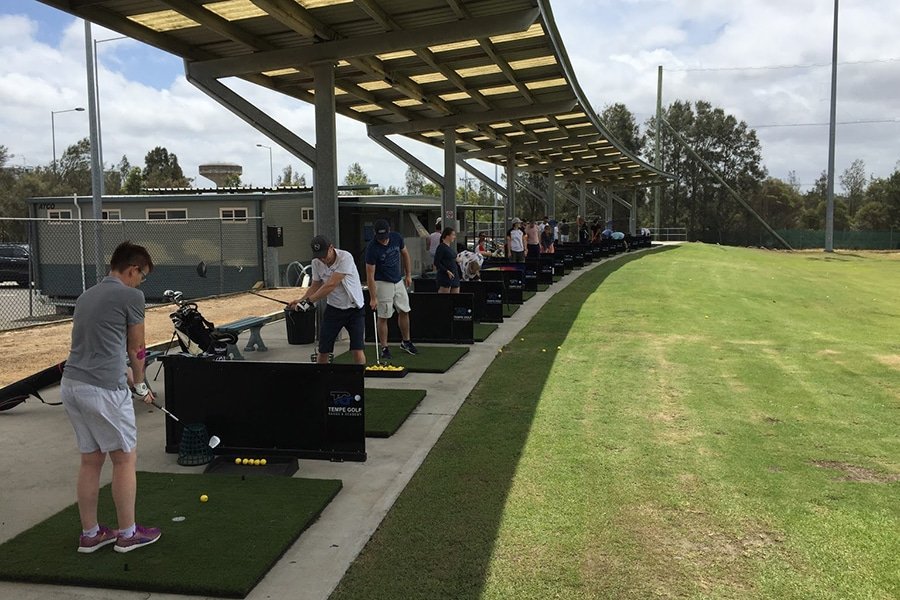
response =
{"points": [[532, 238]]}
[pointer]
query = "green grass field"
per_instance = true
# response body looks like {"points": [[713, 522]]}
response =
{"points": [[699, 422]]}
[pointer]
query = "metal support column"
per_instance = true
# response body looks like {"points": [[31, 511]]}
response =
{"points": [[609, 204], [632, 215], [657, 160], [551, 193], [510, 188], [325, 203], [582, 198], [448, 202], [96, 160]]}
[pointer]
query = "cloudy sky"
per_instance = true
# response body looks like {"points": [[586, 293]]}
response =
{"points": [[765, 61]]}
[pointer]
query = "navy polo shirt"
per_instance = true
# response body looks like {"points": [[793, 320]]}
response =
{"points": [[386, 258]]}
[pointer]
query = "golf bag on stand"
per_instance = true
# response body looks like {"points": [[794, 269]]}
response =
{"points": [[195, 334]]}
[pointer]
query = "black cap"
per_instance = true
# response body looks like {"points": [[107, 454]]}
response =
{"points": [[382, 230], [319, 245]]}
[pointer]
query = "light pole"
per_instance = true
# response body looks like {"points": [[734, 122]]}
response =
{"points": [[53, 114], [271, 172], [97, 98]]}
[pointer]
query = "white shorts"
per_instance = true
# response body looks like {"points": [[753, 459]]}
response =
{"points": [[390, 296], [102, 419]]}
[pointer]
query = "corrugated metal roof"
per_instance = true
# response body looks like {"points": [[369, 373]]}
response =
{"points": [[494, 70]]}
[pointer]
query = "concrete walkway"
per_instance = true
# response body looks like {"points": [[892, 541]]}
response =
{"points": [[39, 464]]}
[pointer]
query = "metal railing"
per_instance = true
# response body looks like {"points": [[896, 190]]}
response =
{"points": [[200, 257], [669, 234]]}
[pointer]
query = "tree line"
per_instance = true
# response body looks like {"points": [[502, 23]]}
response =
{"points": [[695, 200]]}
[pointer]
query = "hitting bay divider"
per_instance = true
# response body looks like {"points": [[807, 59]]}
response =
{"points": [[258, 408], [197, 555], [434, 318]]}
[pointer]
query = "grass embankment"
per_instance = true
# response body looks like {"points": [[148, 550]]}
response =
{"points": [[717, 423]]}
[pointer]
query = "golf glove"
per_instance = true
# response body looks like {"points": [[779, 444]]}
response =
{"points": [[141, 390], [304, 305]]}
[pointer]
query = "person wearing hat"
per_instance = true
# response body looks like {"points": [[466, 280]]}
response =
{"points": [[386, 254], [515, 242], [336, 280]]}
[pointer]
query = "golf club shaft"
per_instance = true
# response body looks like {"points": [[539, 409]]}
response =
{"points": [[162, 408], [377, 347], [269, 298]]}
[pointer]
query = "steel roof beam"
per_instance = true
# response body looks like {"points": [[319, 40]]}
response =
{"points": [[369, 45], [487, 116], [481, 176], [255, 117], [407, 157]]}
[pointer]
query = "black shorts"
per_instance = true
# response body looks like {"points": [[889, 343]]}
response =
{"points": [[444, 281], [335, 319]]}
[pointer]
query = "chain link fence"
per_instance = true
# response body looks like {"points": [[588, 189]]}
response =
{"points": [[199, 257]]}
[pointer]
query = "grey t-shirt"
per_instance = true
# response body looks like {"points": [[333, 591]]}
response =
{"points": [[99, 333]]}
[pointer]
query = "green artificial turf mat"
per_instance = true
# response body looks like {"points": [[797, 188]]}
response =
{"points": [[543, 287], [386, 410], [526, 296], [430, 359], [223, 548], [509, 310], [484, 330]]}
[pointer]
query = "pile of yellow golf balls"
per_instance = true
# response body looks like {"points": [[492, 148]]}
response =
{"points": [[250, 461]]}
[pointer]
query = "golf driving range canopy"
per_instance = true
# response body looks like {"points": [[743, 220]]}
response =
{"points": [[493, 71]]}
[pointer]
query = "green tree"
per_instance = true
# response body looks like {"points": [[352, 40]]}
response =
{"points": [[289, 177], [854, 180], [133, 183], [161, 170], [74, 168], [621, 124], [886, 192], [696, 200], [356, 176], [415, 181], [232, 180]]}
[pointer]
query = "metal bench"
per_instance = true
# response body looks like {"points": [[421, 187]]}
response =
{"points": [[255, 343]]}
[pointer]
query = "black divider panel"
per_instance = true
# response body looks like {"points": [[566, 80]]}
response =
{"points": [[433, 318], [267, 408], [513, 282], [543, 269], [487, 297]]}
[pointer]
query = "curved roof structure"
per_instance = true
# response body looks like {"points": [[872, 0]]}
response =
{"points": [[495, 71]]}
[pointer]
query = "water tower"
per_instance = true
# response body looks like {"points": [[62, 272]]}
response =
{"points": [[220, 172]]}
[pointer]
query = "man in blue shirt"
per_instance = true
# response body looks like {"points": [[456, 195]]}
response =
{"points": [[387, 284]]}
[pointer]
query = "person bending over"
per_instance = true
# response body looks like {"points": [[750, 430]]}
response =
{"points": [[336, 279]]}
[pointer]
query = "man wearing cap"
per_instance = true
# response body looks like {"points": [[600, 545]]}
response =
{"points": [[335, 278], [387, 284]]}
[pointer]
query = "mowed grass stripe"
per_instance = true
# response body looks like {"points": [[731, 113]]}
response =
{"points": [[718, 422]]}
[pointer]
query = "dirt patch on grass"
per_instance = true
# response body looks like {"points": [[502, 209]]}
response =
{"points": [[856, 473], [27, 351], [685, 550], [828, 352], [890, 360]]}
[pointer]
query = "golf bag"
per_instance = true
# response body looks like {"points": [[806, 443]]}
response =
{"points": [[199, 337]]}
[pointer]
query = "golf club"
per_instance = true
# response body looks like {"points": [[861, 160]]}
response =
{"points": [[269, 298], [162, 408], [377, 347], [213, 440]]}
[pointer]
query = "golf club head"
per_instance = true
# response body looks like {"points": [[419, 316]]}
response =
{"points": [[169, 293], [201, 269], [214, 441]]}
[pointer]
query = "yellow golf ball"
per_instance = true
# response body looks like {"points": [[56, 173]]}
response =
{"points": [[256, 462], [262, 461], [246, 461], [203, 497], [543, 349], [237, 461]]}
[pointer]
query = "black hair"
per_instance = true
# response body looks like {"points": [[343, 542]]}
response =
{"points": [[447, 231], [127, 254]]}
